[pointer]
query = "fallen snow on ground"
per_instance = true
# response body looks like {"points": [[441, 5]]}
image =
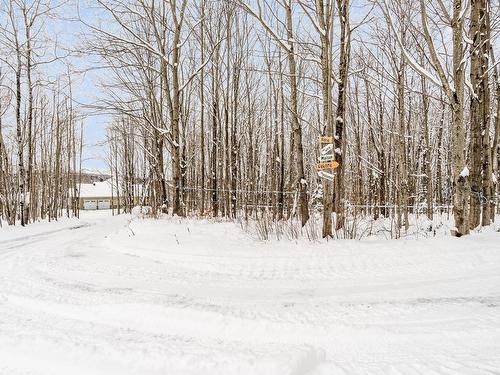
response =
{"points": [[112, 295]]}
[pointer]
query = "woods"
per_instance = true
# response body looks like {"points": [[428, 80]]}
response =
{"points": [[40, 134], [216, 109]]}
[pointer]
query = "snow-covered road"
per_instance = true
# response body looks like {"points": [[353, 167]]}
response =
{"points": [[106, 295]]}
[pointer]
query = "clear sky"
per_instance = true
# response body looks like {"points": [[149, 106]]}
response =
{"points": [[70, 32]]}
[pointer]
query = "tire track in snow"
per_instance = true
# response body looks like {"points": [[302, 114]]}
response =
{"points": [[152, 306]]}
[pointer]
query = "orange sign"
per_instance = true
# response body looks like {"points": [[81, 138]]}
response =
{"points": [[328, 165], [325, 139]]}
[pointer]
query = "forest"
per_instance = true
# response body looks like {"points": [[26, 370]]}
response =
{"points": [[320, 113]]}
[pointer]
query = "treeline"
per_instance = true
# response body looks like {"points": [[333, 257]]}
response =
{"points": [[225, 102], [218, 107], [40, 134]]}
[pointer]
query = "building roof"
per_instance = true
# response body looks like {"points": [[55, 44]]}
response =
{"points": [[97, 189], [105, 188]]}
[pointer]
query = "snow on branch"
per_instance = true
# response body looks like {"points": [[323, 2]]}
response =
{"points": [[419, 68]]}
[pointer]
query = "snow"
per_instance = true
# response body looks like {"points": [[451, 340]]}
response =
{"points": [[97, 189], [103, 189], [465, 172], [121, 295]]}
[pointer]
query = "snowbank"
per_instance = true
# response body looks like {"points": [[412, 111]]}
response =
{"points": [[118, 295]]}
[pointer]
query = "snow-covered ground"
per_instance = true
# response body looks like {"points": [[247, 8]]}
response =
{"points": [[111, 295]]}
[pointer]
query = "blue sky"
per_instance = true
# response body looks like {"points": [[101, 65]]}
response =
{"points": [[86, 90], [86, 86]]}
